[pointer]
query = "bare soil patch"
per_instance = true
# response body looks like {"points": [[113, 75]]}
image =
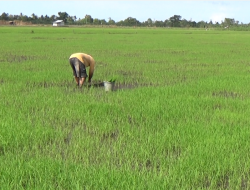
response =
{"points": [[95, 84], [48, 84], [121, 86], [227, 94], [2, 81], [18, 58]]}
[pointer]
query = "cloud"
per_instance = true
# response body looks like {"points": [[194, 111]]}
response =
{"points": [[218, 17]]}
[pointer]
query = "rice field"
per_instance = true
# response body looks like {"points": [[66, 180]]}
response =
{"points": [[177, 119]]}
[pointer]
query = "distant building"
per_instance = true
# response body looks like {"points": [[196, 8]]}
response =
{"points": [[58, 23], [11, 23]]}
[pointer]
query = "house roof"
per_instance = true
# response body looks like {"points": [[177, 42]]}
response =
{"points": [[58, 21]]}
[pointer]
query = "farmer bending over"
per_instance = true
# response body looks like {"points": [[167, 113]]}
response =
{"points": [[79, 62]]}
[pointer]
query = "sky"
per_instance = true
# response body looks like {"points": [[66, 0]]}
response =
{"points": [[141, 10]]}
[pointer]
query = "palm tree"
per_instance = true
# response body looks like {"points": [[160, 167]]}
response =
{"points": [[34, 17]]}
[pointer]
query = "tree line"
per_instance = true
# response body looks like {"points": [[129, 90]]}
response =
{"points": [[173, 21]]}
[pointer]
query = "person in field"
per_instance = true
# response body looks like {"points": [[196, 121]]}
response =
{"points": [[78, 63]]}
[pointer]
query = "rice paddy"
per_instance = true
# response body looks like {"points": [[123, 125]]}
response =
{"points": [[177, 119]]}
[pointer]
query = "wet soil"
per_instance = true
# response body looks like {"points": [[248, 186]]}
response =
{"points": [[120, 86], [19, 58], [95, 84], [227, 94], [112, 135], [2, 81], [48, 84]]}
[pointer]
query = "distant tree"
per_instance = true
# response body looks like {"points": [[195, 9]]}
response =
{"points": [[111, 22], [47, 19], [16, 17], [193, 24], [24, 18], [147, 23], [4, 16], [96, 21], [70, 20], [53, 18], [81, 21], [131, 22], [201, 24], [120, 23], [184, 23], [159, 24], [103, 22], [89, 19], [63, 16], [175, 20], [168, 23], [229, 22], [33, 16], [11, 17], [41, 18], [210, 24], [150, 22]]}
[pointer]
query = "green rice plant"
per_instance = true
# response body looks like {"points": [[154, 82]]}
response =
{"points": [[178, 118]]}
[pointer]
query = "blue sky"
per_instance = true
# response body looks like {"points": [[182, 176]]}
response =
{"points": [[141, 10]]}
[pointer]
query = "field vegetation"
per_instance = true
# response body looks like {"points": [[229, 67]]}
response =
{"points": [[177, 119]]}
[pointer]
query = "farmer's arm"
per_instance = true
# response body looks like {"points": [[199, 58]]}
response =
{"points": [[91, 70]]}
